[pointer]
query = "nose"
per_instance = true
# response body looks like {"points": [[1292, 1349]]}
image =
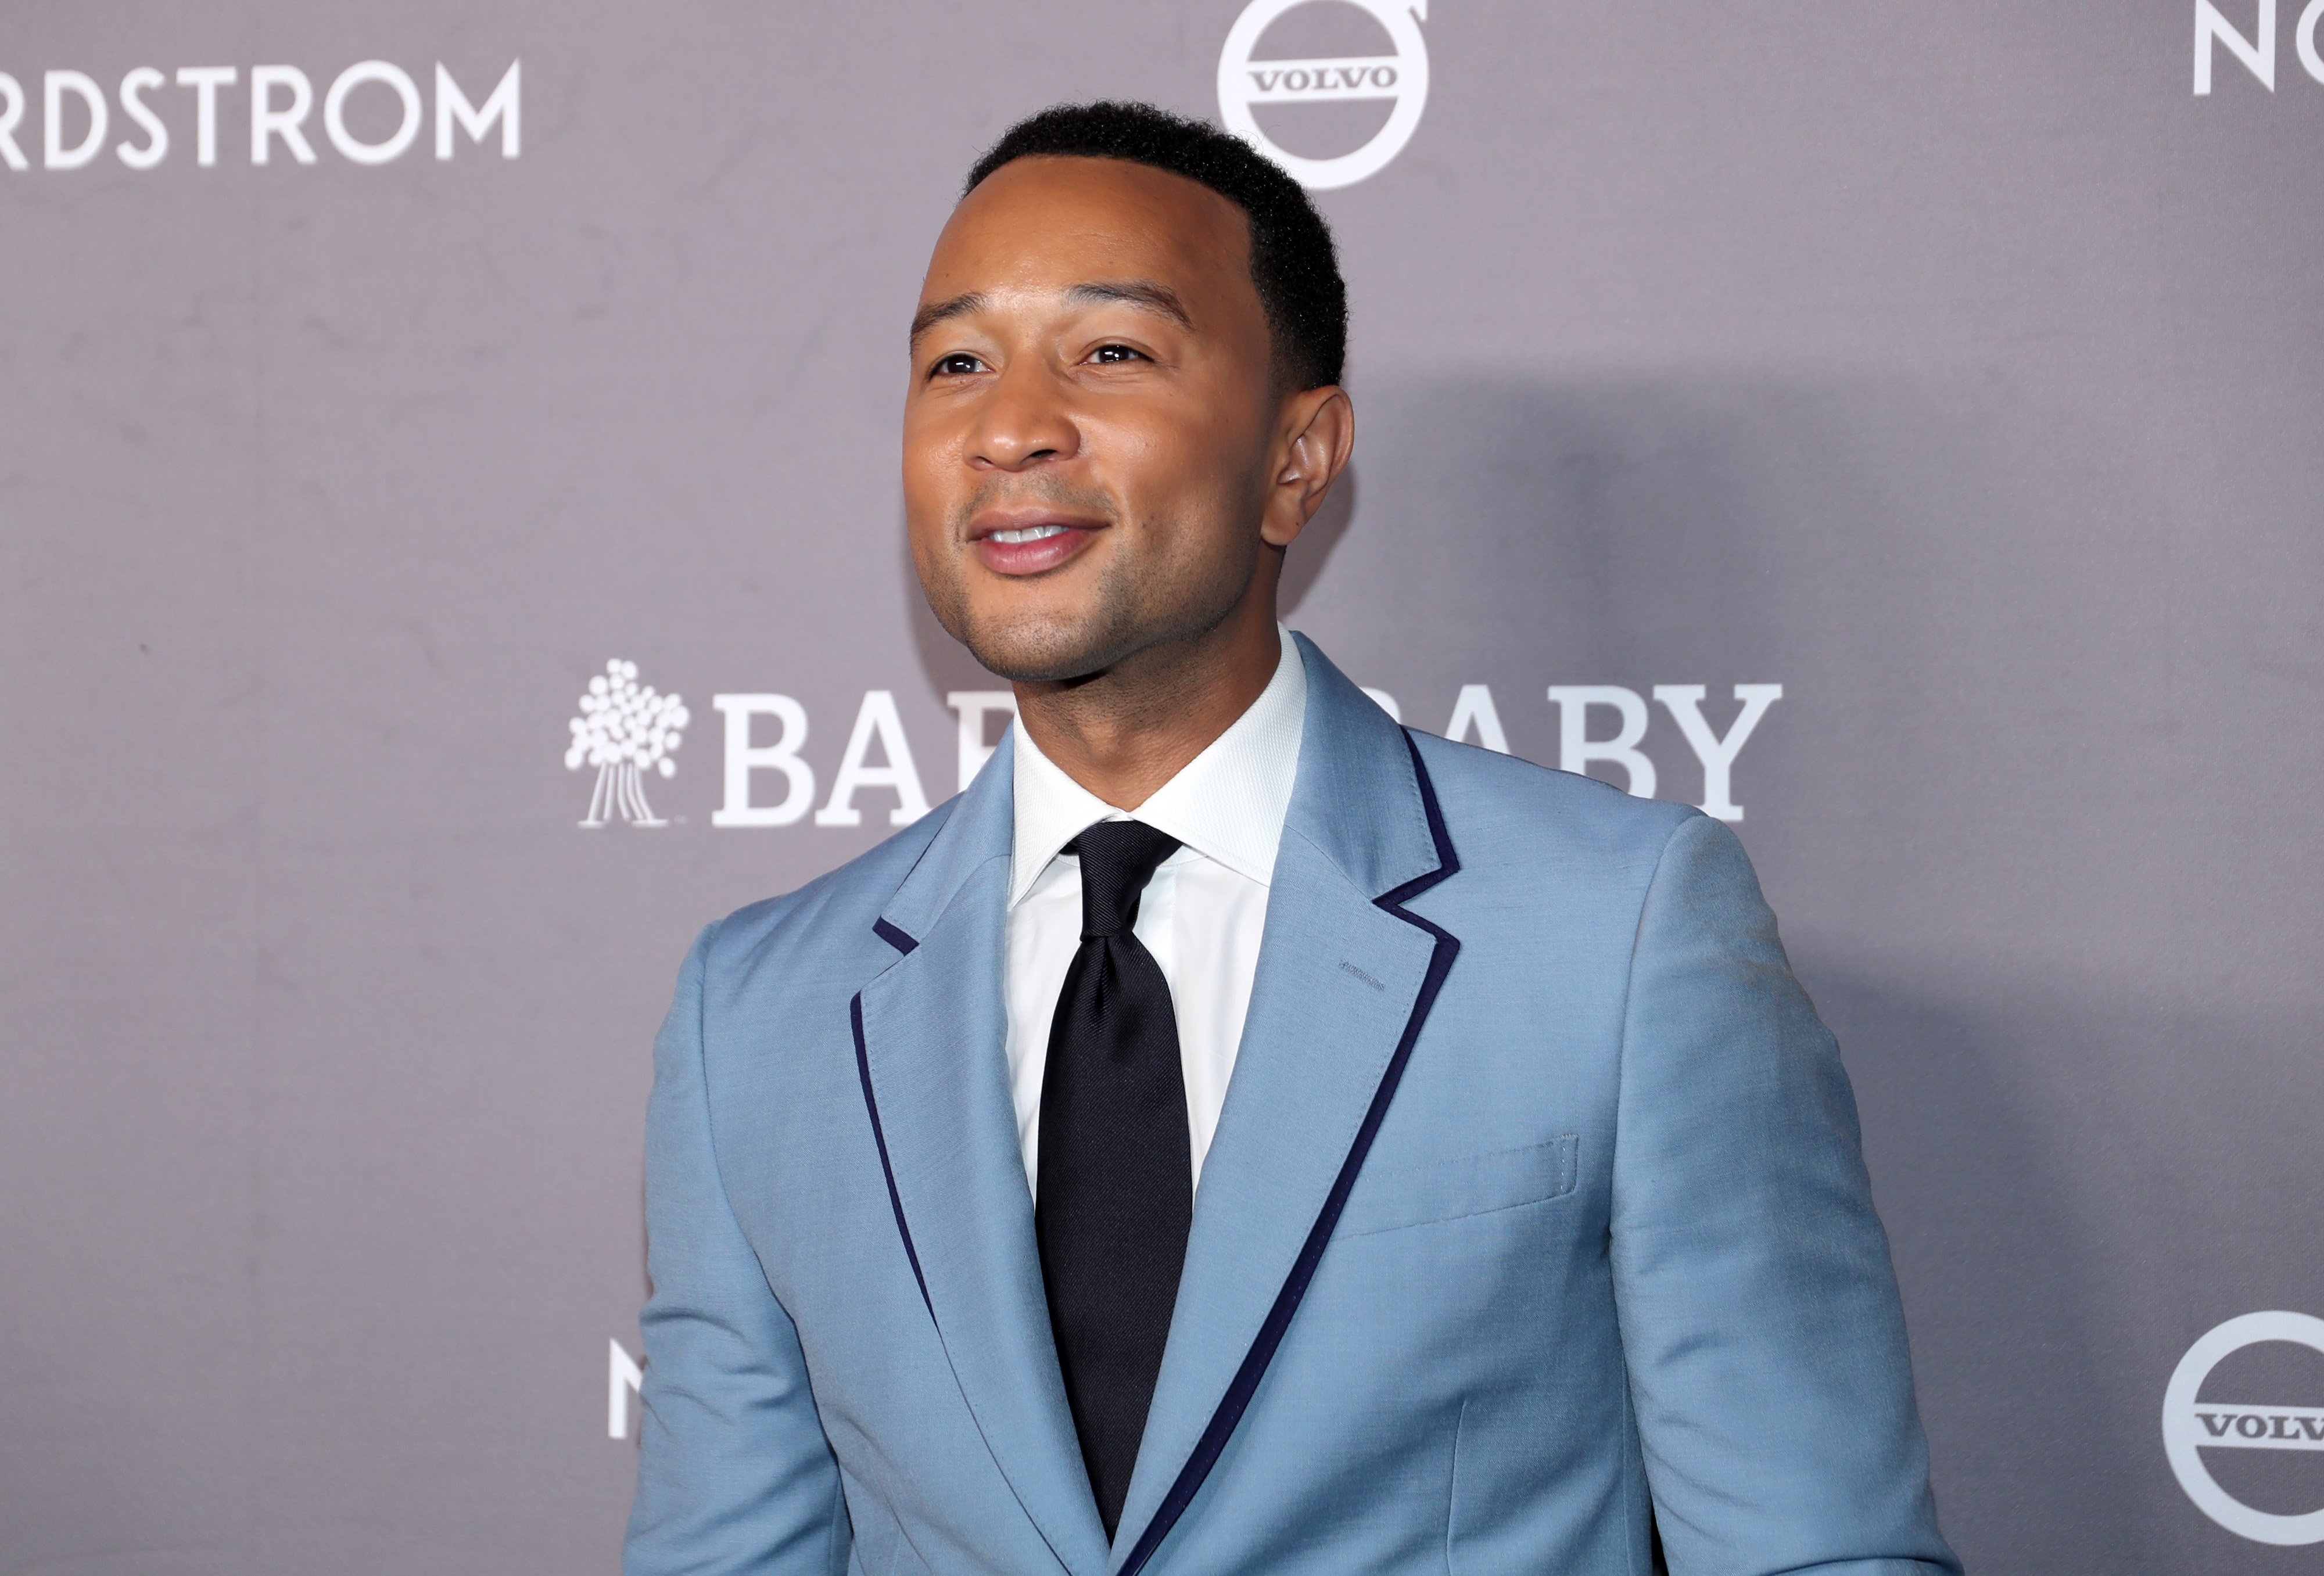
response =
{"points": [[1026, 422]]}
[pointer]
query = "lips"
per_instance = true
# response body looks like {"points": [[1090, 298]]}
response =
{"points": [[1018, 543]]}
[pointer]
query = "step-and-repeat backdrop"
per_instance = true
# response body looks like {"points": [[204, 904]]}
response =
{"points": [[450, 549]]}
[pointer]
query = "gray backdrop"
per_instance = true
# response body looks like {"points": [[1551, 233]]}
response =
{"points": [[1953, 366]]}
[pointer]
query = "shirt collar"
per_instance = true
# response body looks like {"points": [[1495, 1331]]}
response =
{"points": [[1228, 804]]}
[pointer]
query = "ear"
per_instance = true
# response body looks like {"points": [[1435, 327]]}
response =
{"points": [[1313, 440]]}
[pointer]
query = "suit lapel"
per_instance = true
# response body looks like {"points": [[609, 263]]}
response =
{"points": [[932, 1042], [1345, 980]]}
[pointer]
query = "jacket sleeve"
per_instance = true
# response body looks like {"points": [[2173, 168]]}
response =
{"points": [[1759, 1313], [735, 1475]]}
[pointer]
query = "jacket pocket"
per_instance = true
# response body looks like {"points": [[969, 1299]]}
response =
{"points": [[1470, 1185]]}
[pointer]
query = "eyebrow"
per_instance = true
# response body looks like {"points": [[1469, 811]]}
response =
{"points": [[937, 312], [1136, 292]]}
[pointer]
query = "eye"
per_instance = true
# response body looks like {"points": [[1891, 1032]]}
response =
{"points": [[957, 365], [1107, 355]]}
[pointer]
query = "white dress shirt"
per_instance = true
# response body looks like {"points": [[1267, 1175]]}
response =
{"points": [[1202, 915]]}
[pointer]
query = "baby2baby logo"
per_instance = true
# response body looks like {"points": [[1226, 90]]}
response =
{"points": [[625, 735]]}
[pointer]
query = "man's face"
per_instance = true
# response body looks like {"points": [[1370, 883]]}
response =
{"points": [[1087, 438]]}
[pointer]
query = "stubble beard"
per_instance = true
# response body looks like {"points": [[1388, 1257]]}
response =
{"points": [[1134, 607]]}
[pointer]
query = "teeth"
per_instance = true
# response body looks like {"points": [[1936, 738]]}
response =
{"points": [[1031, 533]]}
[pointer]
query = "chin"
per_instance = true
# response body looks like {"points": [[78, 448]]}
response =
{"points": [[1045, 649]]}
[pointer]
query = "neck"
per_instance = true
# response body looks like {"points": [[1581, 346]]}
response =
{"points": [[1124, 733]]}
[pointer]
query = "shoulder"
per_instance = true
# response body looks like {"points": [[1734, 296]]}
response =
{"points": [[835, 908], [1554, 855], [1500, 810]]}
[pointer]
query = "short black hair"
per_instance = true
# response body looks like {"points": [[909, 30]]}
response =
{"points": [[1292, 260]]}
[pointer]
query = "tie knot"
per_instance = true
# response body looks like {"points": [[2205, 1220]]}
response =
{"points": [[1118, 859]]}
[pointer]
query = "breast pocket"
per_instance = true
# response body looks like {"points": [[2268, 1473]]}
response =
{"points": [[1471, 1185]]}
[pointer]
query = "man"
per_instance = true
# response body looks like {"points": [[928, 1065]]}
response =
{"points": [[1238, 1135]]}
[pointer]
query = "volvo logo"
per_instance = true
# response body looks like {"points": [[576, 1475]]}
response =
{"points": [[2191, 1427], [1245, 85]]}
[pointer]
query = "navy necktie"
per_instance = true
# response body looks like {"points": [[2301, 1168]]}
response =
{"points": [[1116, 1190]]}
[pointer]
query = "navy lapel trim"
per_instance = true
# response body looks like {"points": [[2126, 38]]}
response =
{"points": [[967, 1197], [1255, 1362], [902, 944]]}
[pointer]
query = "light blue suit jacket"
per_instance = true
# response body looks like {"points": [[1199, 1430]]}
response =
{"points": [[1536, 1213]]}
